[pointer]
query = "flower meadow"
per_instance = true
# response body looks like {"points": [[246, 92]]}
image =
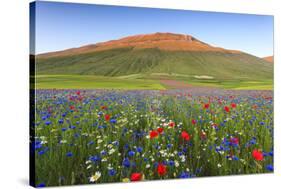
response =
{"points": [[102, 136]]}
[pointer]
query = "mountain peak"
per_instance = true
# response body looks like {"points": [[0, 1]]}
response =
{"points": [[160, 40], [164, 41], [158, 36]]}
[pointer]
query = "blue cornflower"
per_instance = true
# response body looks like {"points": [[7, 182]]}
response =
{"points": [[139, 149], [265, 154], [38, 144], [171, 163], [253, 140], [131, 153], [48, 123], [155, 164], [126, 146], [94, 158], [103, 152], [113, 121], [63, 129], [69, 154], [126, 163], [115, 143], [44, 118], [184, 149], [180, 153], [111, 172], [184, 175], [270, 167], [41, 152], [41, 185], [125, 130], [61, 121], [91, 142], [198, 170], [222, 124], [72, 127], [251, 122], [169, 145]]}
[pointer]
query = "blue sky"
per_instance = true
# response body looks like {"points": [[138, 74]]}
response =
{"points": [[66, 25]]}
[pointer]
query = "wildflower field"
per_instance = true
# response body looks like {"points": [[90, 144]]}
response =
{"points": [[102, 136]]}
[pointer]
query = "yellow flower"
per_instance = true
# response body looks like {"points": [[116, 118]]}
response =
{"points": [[125, 180]]}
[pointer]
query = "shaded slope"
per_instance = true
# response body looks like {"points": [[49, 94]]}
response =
{"points": [[126, 61]]}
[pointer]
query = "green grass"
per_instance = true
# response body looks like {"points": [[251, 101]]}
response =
{"points": [[132, 63], [93, 82], [235, 84], [141, 82]]}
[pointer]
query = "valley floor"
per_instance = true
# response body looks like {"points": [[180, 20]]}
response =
{"points": [[144, 82]]}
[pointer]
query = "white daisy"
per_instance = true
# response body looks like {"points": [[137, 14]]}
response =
{"points": [[95, 177]]}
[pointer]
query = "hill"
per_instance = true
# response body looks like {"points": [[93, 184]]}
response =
{"points": [[156, 56], [269, 59]]}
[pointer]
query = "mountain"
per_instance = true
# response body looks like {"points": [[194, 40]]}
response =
{"points": [[269, 59], [164, 53], [163, 41]]}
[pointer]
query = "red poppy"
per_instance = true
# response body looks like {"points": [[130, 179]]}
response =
{"points": [[206, 106], [227, 109], [185, 136], [233, 105], [257, 155], [136, 176], [193, 121], [153, 134], [172, 124], [161, 169], [78, 92], [160, 130], [107, 117], [72, 107]]}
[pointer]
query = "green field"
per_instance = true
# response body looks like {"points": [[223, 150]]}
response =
{"points": [[93, 82], [141, 82]]}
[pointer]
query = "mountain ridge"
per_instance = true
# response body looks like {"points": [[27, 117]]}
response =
{"points": [[164, 41]]}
